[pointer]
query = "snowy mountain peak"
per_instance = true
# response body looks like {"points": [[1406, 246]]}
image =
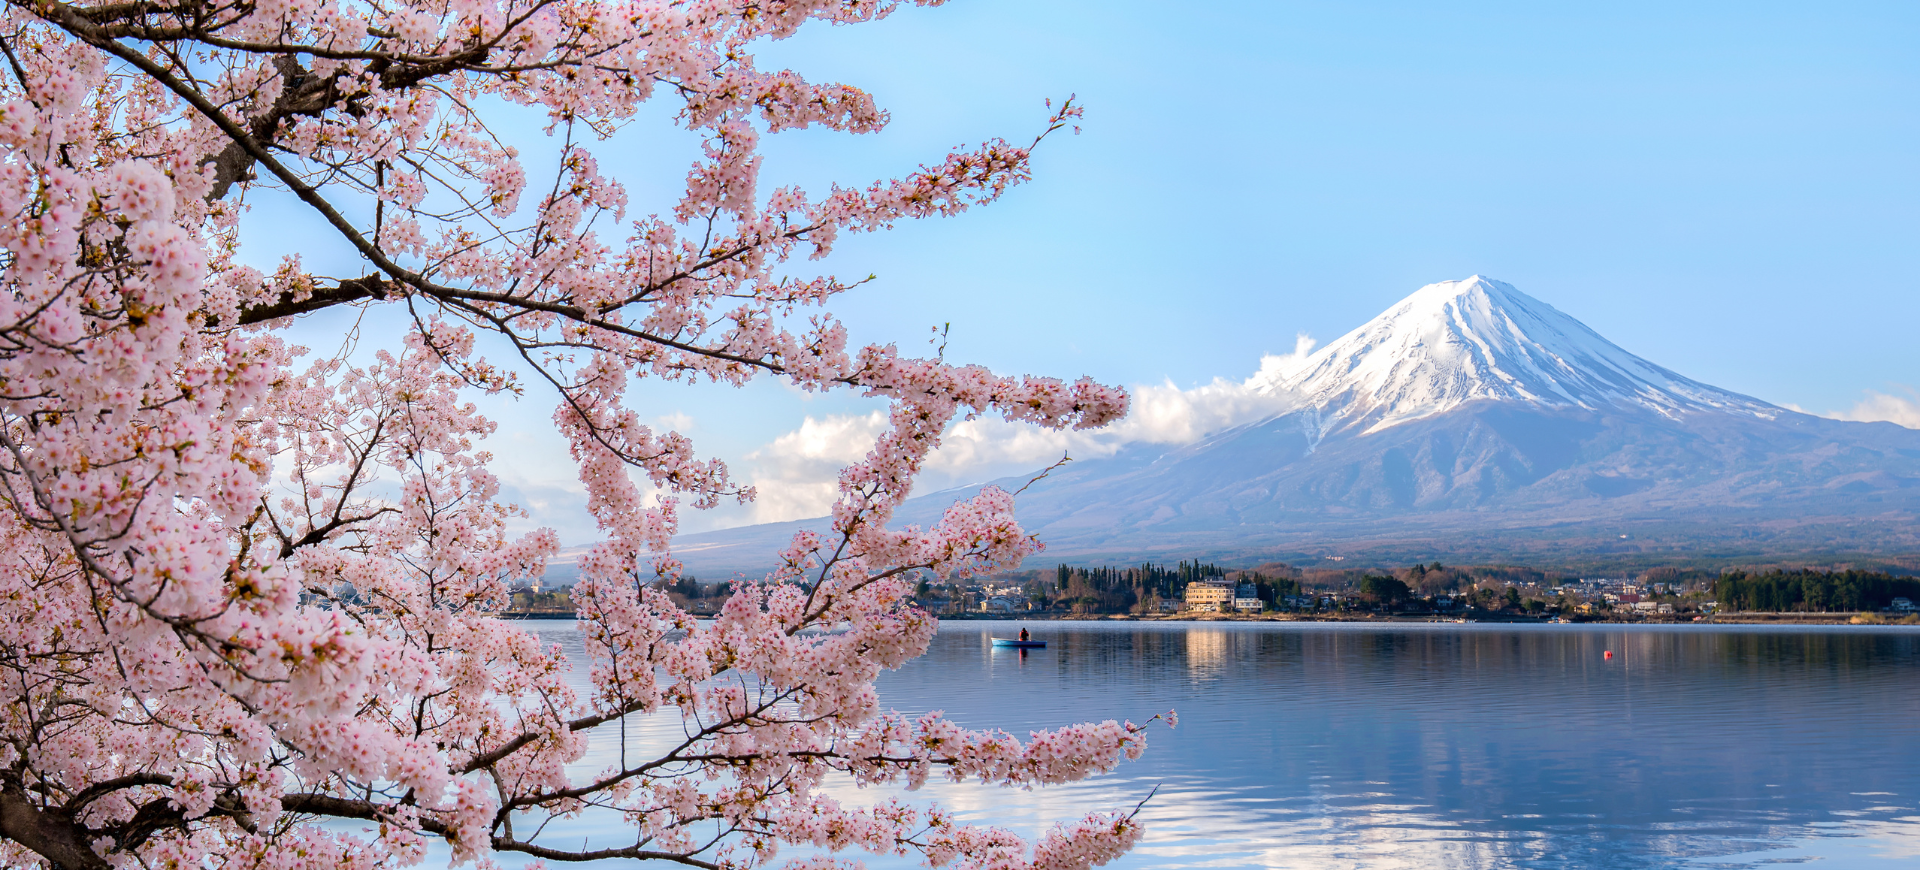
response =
{"points": [[1478, 339]]}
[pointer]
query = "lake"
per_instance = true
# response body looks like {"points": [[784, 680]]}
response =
{"points": [[1329, 745]]}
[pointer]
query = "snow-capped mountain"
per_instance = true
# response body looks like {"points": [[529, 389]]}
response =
{"points": [[1457, 342], [1470, 421]]}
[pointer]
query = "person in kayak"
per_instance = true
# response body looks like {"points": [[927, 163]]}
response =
{"points": [[1023, 635]]}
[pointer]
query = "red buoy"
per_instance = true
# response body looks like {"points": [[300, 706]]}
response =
{"points": [[1609, 653]]}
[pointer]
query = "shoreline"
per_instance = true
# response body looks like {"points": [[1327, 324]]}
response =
{"points": [[1804, 619], [1850, 618]]}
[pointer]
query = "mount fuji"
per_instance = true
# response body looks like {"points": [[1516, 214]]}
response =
{"points": [[1472, 422], [1458, 342]]}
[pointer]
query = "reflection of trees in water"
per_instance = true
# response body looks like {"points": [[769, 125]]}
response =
{"points": [[1478, 717], [1315, 745], [1415, 656]]}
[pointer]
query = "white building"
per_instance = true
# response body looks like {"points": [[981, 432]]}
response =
{"points": [[1212, 595]]}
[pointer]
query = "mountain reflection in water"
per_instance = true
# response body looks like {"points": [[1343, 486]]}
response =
{"points": [[1344, 746]]}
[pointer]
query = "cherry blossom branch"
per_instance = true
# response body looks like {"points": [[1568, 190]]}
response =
{"points": [[260, 597]]}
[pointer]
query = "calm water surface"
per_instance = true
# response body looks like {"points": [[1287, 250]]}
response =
{"points": [[1343, 746]]}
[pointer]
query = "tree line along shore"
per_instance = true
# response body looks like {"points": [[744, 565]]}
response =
{"points": [[1424, 592]]}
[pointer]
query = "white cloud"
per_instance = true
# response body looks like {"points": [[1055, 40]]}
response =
{"points": [[1883, 406], [796, 472]]}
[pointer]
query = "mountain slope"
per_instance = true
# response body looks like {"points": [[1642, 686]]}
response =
{"points": [[1472, 419]]}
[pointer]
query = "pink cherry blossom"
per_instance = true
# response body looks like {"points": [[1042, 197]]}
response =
{"points": [[252, 593]]}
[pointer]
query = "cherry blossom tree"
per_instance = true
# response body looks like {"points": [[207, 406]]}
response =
{"points": [[248, 606]]}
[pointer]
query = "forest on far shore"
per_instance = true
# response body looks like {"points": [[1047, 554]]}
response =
{"points": [[1150, 588]]}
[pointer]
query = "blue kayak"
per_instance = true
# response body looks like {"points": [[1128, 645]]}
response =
{"points": [[1020, 644]]}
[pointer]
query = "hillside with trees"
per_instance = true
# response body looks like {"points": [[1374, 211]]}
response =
{"points": [[1432, 588], [1813, 591]]}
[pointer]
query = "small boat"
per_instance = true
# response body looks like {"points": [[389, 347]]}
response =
{"points": [[1019, 644]]}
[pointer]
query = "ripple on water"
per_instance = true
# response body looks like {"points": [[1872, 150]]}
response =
{"points": [[1341, 746]]}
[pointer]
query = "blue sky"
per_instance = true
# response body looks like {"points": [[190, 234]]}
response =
{"points": [[1729, 190]]}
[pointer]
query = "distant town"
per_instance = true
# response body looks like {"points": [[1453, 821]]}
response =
{"points": [[1433, 591]]}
